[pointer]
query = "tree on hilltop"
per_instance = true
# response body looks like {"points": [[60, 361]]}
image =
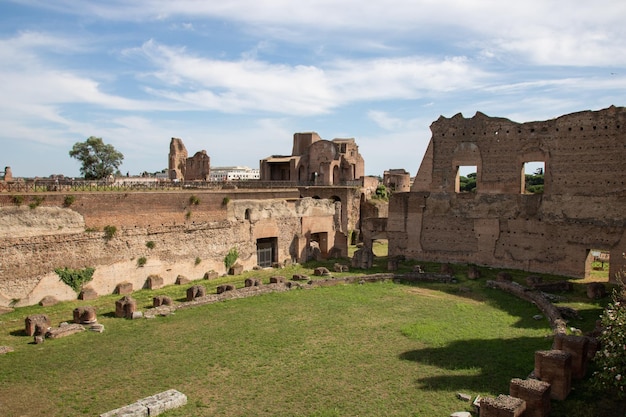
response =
{"points": [[98, 159]]}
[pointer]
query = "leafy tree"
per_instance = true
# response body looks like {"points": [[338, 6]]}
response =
{"points": [[98, 159], [534, 182], [467, 184]]}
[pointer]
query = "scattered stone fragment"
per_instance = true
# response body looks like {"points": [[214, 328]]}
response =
{"points": [[154, 282], [123, 288], [48, 301], [463, 397], [64, 330], [88, 294], [211, 275], [182, 280], [225, 287], [6, 349], [321, 271], [98, 328], [125, 307], [195, 291], [461, 414], [33, 320], [537, 317], [85, 315]]}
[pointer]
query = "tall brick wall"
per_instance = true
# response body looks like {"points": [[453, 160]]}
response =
{"points": [[214, 226], [581, 207]]}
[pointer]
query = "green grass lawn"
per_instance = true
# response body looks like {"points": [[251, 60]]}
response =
{"points": [[378, 349]]}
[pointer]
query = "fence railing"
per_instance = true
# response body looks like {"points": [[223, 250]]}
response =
{"points": [[50, 185]]}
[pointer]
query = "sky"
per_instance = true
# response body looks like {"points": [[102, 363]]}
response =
{"points": [[238, 78]]}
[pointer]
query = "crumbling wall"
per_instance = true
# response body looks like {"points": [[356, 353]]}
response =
{"points": [[580, 209], [190, 245]]}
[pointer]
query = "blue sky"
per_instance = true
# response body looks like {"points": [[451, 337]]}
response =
{"points": [[239, 77]]}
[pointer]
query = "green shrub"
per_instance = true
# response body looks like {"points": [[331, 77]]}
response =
{"points": [[141, 261], [188, 215], [109, 232], [75, 278], [231, 257], [611, 358], [18, 200], [193, 200], [225, 201], [69, 200], [150, 244], [37, 200], [198, 260]]}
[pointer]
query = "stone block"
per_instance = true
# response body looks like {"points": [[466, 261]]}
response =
{"points": [[131, 410], [211, 275], [182, 280], [277, 280], [64, 330], [125, 307], [321, 271], [123, 288], [299, 277], [341, 268], [252, 282], [555, 368], [502, 406], [504, 277], [225, 287], [167, 400], [236, 269], [195, 291], [48, 301], [85, 315], [536, 394], [33, 320], [473, 272], [162, 300], [88, 294], [577, 347], [154, 282], [596, 290]]}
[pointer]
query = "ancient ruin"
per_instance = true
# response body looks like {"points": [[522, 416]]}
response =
{"points": [[500, 224], [316, 161], [181, 167]]}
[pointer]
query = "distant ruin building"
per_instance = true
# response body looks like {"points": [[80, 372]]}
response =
{"points": [[181, 167], [397, 180], [316, 161], [580, 212], [8, 175]]}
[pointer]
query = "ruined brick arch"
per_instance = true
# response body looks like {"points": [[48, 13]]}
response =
{"points": [[466, 154]]}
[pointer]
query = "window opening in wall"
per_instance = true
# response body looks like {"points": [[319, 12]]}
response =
{"points": [[466, 179], [597, 264], [266, 251], [533, 174]]}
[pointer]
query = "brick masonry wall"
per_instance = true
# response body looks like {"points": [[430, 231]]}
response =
{"points": [[581, 207], [28, 259]]}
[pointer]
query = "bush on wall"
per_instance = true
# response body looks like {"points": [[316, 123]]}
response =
{"points": [[75, 278]]}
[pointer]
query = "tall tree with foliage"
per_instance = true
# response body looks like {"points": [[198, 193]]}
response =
{"points": [[98, 159]]}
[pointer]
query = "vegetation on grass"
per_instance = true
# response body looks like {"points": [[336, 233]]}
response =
{"points": [[75, 278], [230, 258]]}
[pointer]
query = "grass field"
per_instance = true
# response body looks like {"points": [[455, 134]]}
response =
{"points": [[379, 349]]}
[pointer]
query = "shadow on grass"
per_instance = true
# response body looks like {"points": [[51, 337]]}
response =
{"points": [[490, 363]]}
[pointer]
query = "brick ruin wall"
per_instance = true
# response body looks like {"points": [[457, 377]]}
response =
{"points": [[53, 236], [581, 208]]}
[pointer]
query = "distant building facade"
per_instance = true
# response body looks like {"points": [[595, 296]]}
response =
{"points": [[236, 173], [397, 180], [317, 161]]}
